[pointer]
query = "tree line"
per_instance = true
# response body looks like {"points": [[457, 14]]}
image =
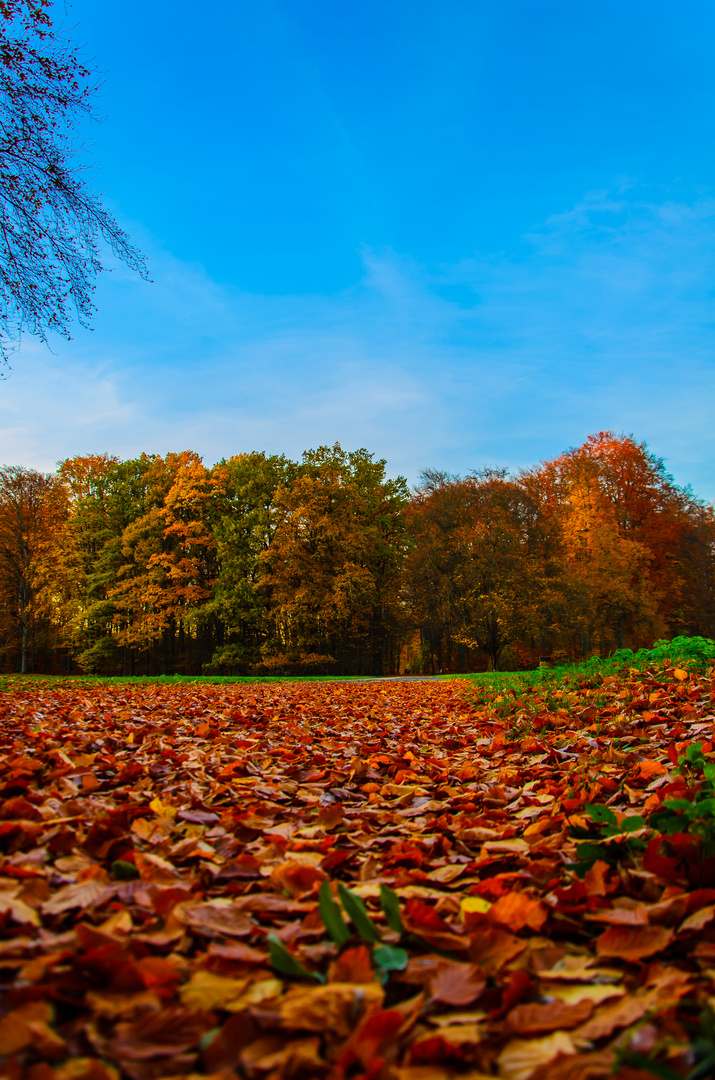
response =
{"points": [[265, 565]]}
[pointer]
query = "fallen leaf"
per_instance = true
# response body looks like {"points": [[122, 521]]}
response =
{"points": [[633, 943], [573, 993], [335, 1007], [535, 1019], [17, 1028], [206, 991], [520, 1057], [457, 984], [608, 1018], [220, 916], [517, 910]]}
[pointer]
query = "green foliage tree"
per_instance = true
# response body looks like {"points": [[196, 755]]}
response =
{"points": [[246, 519], [332, 570], [106, 496]]}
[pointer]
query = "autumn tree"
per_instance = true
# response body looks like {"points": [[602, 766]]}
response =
{"points": [[437, 517], [630, 539], [606, 572], [245, 521], [105, 496], [478, 576], [333, 566], [169, 563], [52, 225], [32, 512]]}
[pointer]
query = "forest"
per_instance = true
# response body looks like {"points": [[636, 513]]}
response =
{"points": [[263, 565]]}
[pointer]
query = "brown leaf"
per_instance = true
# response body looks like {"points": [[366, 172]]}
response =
{"points": [[457, 984], [492, 948], [620, 916], [594, 880], [608, 1018], [633, 943], [116, 1006], [697, 920], [219, 916], [85, 894], [535, 1019], [331, 816], [158, 1035], [83, 1068]]}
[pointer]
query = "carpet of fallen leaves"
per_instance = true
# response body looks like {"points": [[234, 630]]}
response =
{"points": [[152, 838]]}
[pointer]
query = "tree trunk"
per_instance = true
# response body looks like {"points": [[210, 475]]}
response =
{"points": [[24, 626]]}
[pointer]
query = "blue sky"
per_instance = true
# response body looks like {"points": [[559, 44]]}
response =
{"points": [[456, 233]]}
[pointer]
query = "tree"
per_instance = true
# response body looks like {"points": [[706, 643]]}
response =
{"points": [[333, 566], [169, 561], [501, 582], [105, 496], [636, 550], [479, 575], [245, 523], [33, 507], [51, 223], [436, 516]]}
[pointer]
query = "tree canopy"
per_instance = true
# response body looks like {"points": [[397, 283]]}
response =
{"points": [[262, 565]]}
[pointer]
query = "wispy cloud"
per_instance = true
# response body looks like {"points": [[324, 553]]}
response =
{"points": [[602, 319]]}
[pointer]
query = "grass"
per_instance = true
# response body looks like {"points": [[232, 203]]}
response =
{"points": [[6, 681], [691, 653]]}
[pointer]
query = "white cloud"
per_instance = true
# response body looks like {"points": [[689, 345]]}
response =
{"points": [[602, 320]]}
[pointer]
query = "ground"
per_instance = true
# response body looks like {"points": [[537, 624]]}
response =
{"points": [[394, 880]]}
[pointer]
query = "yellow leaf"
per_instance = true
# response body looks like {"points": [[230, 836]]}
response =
{"points": [[520, 1057], [580, 969], [474, 903], [507, 846], [162, 809], [574, 993], [680, 675], [118, 923], [205, 991], [261, 990], [86, 1069], [112, 1006], [19, 911], [16, 1028], [336, 1007], [445, 874]]}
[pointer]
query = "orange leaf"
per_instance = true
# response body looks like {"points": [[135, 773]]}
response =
{"points": [[517, 910], [633, 942], [648, 769], [353, 966], [535, 1019], [492, 948], [594, 879]]}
